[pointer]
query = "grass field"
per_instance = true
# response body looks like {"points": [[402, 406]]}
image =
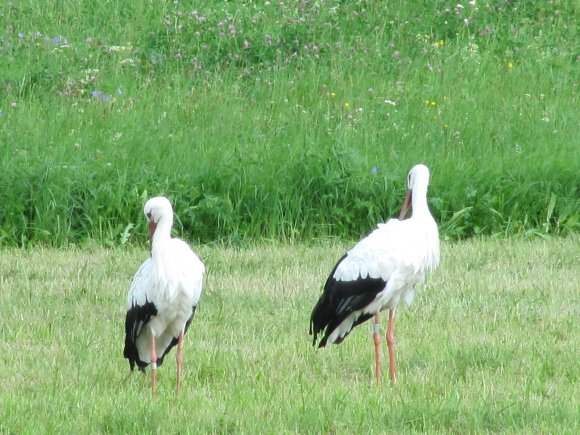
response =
{"points": [[489, 345], [285, 120], [280, 129]]}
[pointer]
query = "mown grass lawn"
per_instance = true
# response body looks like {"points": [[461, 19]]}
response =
{"points": [[489, 345]]}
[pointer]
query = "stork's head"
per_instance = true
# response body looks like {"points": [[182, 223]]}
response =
{"points": [[158, 210], [417, 180], [418, 177]]}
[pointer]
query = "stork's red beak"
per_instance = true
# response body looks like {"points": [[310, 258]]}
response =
{"points": [[152, 227], [406, 204]]}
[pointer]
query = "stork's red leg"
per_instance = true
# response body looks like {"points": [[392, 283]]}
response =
{"points": [[179, 358], [377, 339], [153, 364], [391, 345]]}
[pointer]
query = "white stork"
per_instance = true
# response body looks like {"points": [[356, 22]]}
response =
{"points": [[378, 271], [163, 295]]}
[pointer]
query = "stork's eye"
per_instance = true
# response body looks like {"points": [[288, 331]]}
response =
{"points": [[149, 215]]}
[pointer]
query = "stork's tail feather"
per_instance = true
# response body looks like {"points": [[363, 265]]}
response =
{"points": [[320, 319]]}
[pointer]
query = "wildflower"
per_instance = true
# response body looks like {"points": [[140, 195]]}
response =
{"points": [[374, 170], [120, 48], [333, 94], [246, 44], [58, 40], [439, 43], [13, 105], [396, 54], [390, 102], [345, 105], [100, 95], [20, 35], [509, 65], [1, 112]]}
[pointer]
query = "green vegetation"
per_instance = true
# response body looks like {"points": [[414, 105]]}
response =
{"points": [[289, 121], [285, 120], [489, 345]]}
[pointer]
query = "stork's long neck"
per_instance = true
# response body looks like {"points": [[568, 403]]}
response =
{"points": [[419, 202], [162, 234]]}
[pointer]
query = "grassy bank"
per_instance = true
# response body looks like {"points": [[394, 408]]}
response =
{"points": [[489, 345], [285, 120]]}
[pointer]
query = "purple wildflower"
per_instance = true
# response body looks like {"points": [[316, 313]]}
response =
{"points": [[58, 40], [374, 170], [100, 95]]}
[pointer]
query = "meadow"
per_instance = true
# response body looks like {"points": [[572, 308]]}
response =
{"points": [[490, 345], [282, 131], [285, 121]]}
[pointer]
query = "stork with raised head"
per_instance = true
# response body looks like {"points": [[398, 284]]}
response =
{"points": [[163, 295], [379, 271]]}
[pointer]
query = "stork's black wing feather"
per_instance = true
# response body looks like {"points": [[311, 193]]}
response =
{"points": [[137, 317], [339, 300]]}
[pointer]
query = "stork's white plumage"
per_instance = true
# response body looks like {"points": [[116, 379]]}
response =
{"points": [[163, 295], [379, 271]]}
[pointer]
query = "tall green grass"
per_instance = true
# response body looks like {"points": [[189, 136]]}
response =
{"points": [[288, 120], [489, 345]]}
